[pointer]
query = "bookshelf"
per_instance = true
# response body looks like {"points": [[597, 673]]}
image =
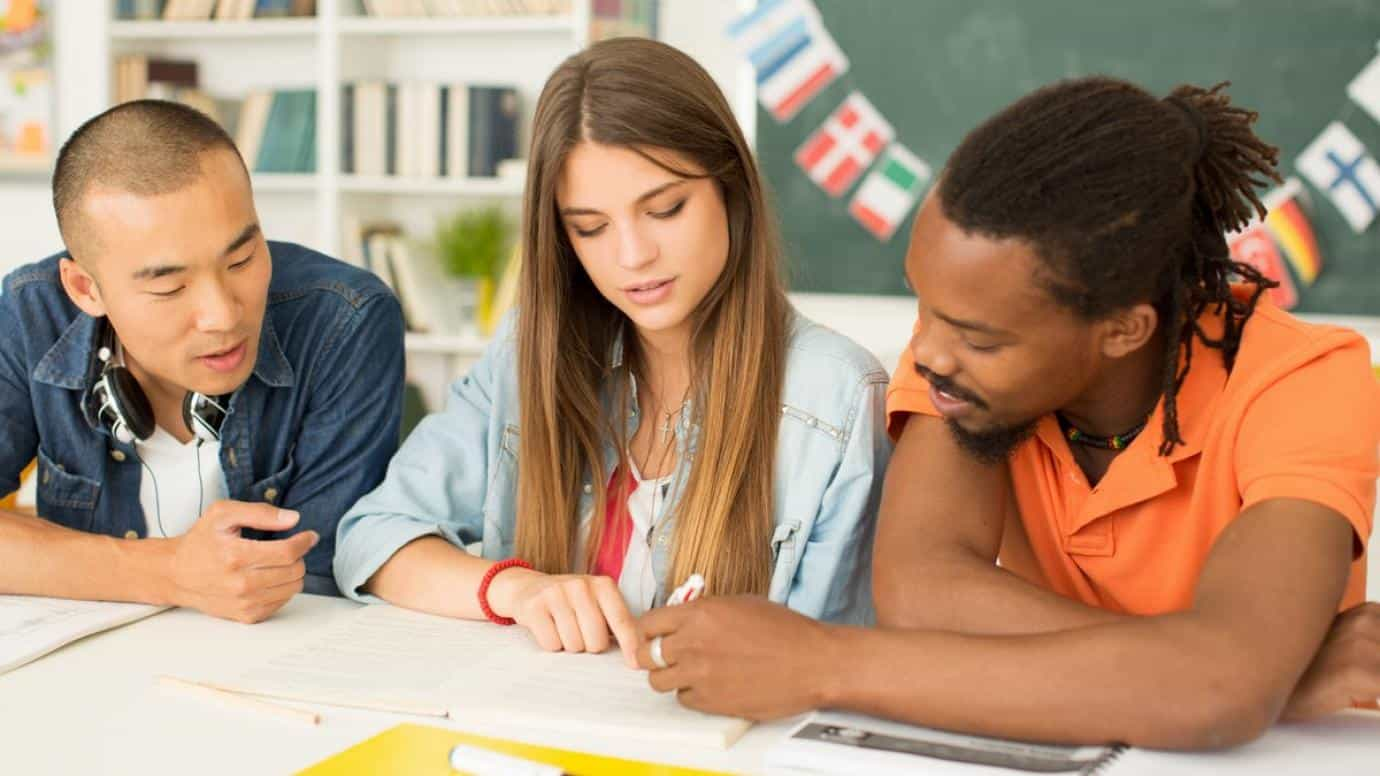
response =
{"points": [[340, 46], [213, 30]]}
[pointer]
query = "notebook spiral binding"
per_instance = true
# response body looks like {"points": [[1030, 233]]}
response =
{"points": [[1104, 766]]}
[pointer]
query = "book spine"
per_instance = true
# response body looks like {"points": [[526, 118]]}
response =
{"points": [[443, 151], [482, 163], [390, 134], [273, 136], [347, 129], [505, 125]]}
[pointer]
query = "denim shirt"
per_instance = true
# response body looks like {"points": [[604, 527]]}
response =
{"points": [[311, 430], [456, 477]]}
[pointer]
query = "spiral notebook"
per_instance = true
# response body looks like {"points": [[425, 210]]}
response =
{"points": [[1344, 743], [839, 743]]}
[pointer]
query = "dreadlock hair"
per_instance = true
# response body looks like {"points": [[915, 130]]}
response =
{"points": [[1127, 199]]}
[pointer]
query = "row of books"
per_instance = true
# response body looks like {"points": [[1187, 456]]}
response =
{"points": [[276, 131], [427, 130], [139, 77], [219, 10], [432, 300], [452, 8]]}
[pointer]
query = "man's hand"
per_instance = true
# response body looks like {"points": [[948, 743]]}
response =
{"points": [[213, 569], [741, 656], [1346, 670], [569, 612]]}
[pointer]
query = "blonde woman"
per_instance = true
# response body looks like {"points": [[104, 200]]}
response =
{"points": [[656, 409]]}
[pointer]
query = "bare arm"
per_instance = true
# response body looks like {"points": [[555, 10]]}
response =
{"points": [[210, 568], [938, 535], [571, 612], [38, 557], [432, 575], [1215, 675]]}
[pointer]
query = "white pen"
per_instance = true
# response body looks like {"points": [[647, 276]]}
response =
{"points": [[691, 589], [485, 762]]}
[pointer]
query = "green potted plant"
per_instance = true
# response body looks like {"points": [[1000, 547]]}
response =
{"points": [[472, 245]]}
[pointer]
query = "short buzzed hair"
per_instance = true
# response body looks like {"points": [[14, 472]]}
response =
{"points": [[145, 147]]}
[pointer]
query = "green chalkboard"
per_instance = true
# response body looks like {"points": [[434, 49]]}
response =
{"points": [[936, 68]]}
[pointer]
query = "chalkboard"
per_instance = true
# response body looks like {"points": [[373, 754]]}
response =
{"points": [[936, 68]]}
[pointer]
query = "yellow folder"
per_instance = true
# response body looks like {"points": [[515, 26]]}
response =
{"points": [[421, 750]]}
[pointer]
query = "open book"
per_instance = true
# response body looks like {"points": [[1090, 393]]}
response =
{"points": [[33, 626], [839, 743], [390, 659]]}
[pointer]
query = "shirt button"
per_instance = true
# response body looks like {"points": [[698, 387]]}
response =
{"points": [[588, 488], [118, 456], [271, 495], [131, 534]]}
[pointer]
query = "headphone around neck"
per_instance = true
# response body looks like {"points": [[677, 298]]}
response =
{"points": [[124, 409]]}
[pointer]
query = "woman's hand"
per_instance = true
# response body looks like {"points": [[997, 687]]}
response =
{"points": [[570, 612]]}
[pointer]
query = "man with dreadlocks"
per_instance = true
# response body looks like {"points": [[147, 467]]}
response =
{"points": [[1177, 478]]}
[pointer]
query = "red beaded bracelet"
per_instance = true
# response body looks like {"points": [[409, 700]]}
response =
{"points": [[484, 588]]}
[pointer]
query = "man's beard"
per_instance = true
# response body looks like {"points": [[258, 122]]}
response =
{"points": [[991, 446]]}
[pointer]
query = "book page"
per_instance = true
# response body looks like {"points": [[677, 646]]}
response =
{"points": [[599, 695], [33, 626], [392, 659]]}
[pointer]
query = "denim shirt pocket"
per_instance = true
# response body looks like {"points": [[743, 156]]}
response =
{"points": [[500, 507], [65, 498], [271, 490], [784, 558]]}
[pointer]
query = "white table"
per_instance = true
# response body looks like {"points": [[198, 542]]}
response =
{"points": [[94, 707]]}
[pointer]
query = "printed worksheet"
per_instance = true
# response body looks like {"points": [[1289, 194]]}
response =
{"points": [[33, 626]]}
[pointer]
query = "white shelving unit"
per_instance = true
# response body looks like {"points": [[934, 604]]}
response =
{"points": [[338, 47], [212, 30]]}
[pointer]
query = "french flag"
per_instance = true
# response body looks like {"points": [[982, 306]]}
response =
{"points": [[792, 52]]}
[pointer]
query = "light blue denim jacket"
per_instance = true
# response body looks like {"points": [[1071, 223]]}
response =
{"points": [[456, 477]]}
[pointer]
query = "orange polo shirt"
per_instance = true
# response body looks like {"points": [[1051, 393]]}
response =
{"points": [[1298, 417]]}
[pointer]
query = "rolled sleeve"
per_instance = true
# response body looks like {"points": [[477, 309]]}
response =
{"points": [[1314, 435], [907, 394], [435, 486]]}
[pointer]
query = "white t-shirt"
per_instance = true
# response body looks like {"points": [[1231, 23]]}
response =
{"points": [[647, 506], [179, 481]]}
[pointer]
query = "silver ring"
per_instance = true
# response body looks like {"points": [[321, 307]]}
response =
{"points": [[655, 649]]}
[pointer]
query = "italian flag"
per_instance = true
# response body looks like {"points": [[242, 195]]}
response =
{"points": [[890, 191]]}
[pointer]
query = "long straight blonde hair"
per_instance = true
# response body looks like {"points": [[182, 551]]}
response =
{"points": [[647, 96]]}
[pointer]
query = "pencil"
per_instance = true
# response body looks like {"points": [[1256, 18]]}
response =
{"points": [[243, 701]]}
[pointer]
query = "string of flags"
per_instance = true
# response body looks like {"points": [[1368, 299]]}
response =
{"points": [[796, 58], [1281, 242], [1337, 163]]}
